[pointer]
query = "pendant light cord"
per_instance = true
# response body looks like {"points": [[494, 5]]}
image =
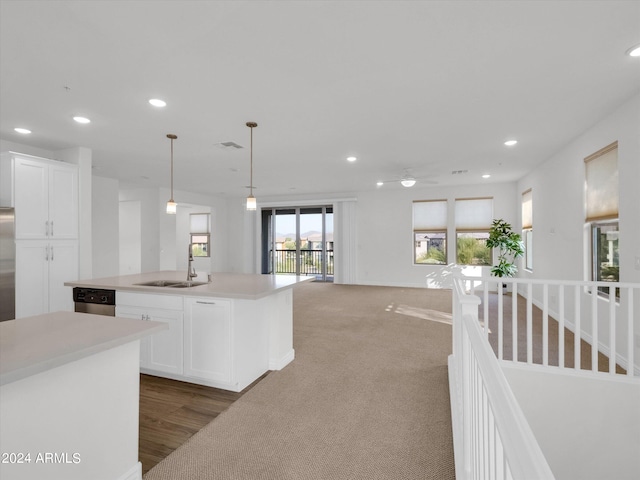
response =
{"points": [[251, 163], [172, 169], [172, 137]]}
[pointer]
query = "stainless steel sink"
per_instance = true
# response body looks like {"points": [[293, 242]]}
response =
{"points": [[186, 284], [170, 284], [158, 283]]}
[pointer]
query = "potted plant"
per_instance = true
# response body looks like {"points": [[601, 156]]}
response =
{"points": [[509, 245]]}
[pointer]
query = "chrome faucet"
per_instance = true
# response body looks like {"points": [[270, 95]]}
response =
{"points": [[191, 271]]}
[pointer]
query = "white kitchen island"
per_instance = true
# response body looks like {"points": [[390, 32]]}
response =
{"points": [[69, 397], [225, 333]]}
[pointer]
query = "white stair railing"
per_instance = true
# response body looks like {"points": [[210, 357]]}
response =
{"points": [[603, 320], [492, 439]]}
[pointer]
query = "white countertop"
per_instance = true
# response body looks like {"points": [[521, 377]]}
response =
{"points": [[36, 344], [223, 285]]}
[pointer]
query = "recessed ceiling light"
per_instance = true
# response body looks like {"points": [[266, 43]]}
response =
{"points": [[634, 51], [486, 175], [510, 143], [24, 131], [82, 119], [156, 102], [351, 159], [379, 184]]}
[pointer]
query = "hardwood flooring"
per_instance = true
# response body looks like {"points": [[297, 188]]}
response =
{"points": [[172, 411]]}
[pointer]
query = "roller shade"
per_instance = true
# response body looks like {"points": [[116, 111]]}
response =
{"points": [[430, 215], [474, 214], [199, 222], [601, 173], [527, 209]]}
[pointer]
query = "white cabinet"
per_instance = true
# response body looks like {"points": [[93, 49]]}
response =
{"points": [[44, 194], [208, 339], [42, 267], [163, 351]]}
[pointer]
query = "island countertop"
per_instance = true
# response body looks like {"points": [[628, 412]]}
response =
{"points": [[222, 285], [32, 345]]}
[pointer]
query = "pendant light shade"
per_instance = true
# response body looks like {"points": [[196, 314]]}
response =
{"points": [[251, 200], [171, 204]]}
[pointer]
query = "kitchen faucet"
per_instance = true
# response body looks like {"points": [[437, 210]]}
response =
{"points": [[191, 271]]}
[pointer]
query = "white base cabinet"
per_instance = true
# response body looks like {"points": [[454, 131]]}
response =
{"points": [[208, 339], [162, 351], [219, 342]]}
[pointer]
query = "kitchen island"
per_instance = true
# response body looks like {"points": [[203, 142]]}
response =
{"points": [[69, 393], [225, 333]]}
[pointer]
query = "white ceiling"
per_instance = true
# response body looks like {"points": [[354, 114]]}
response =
{"points": [[429, 86]]}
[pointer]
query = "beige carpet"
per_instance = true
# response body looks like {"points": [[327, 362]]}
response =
{"points": [[366, 397]]}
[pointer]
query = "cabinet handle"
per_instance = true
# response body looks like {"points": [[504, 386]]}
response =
{"points": [[46, 228], [205, 303], [52, 254], [46, 253], [52, 228]]}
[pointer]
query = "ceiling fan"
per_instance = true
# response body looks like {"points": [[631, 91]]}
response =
{"points": [[408, 180]]}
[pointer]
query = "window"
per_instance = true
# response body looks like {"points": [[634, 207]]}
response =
{"points": [[601, 172], [527, 228], [473, 221], [200, 234], [430, 232], [606, 257]]}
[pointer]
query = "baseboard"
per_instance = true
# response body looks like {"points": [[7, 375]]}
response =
{"points": [[280, 363], [134, 473]]}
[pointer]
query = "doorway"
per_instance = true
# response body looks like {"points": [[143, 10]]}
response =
{"points": [[298, 241]]}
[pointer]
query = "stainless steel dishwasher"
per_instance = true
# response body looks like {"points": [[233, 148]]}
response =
{"points": [[96, 301]]}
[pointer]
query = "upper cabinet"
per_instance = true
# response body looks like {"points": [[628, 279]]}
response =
{"points": [[44, 194]]}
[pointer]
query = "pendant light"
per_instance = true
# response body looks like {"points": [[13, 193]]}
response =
{"points": [[171, 205], [251, 200]]}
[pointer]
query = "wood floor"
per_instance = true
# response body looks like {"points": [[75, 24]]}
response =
{"points": [[172, 411]]}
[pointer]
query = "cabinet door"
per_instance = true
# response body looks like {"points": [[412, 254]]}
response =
{"points": [[137, 314], [63, 202], [31, 190], [165, 349], [63, 267], [32, 278], [208, 339]]}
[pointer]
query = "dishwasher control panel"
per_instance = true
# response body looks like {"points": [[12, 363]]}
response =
{"points": [[93, 295]]}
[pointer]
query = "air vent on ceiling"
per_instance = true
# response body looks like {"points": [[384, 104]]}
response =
{"points": [[228, 145], [459, 172]]}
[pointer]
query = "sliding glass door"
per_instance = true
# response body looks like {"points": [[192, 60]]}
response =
{"points": [[298, 241]]}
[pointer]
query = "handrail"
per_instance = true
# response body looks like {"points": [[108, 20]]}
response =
{"points": [[497, 439], [605, 321], [514, 430]]}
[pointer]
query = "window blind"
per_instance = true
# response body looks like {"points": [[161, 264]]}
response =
{"points": [[199, 222], [601, 174], [474, 214], [430, 215], [527, 209]]}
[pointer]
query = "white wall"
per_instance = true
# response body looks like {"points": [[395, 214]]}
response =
{"points": [[129, 237], [385, 231], [561, 246], [588, 426], [382, 231], [105, 227], [159, 244]]}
